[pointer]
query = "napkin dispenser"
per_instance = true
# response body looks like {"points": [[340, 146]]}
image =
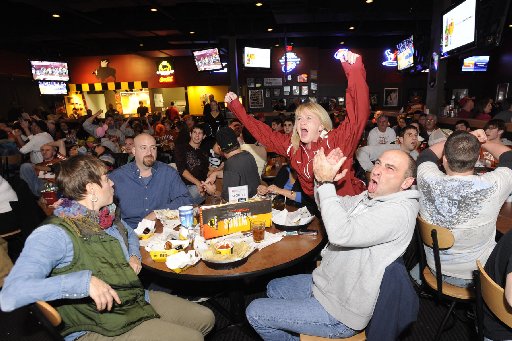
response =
{"points": [[220, 220]]}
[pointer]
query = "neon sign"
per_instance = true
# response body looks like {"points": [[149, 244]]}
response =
{"points": [[292, 61], [390, 58], [165, 72]]}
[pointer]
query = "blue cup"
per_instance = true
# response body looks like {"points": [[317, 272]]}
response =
{"points": [[186, 216]]}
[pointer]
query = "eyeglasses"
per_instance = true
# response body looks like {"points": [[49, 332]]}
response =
{"points": [[430, 120]]}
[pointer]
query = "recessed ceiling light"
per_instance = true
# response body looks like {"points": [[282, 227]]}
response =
{"points": [[259, 4], [270, 29], [141, 44], [369, 1], [153, 10], [510, 25], [351, 28], [55, 15], [192, 32], [276, 45], [342, 42]]}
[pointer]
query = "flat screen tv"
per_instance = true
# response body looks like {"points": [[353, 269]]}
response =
{"points": [[475, 63], [405, 53], [458, 30], [52, 88], [208, 59], [49, 71], [256, 58]]}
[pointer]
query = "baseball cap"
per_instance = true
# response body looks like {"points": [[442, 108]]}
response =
{"points": [[465, 99], [226, 139]]}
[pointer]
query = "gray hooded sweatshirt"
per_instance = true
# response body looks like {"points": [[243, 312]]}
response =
{"points": [[365, 236]]}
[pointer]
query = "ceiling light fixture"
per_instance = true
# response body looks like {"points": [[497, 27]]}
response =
{"points": [[192, 32], [270, 29], [55, 15], [141, 44], [351, 28], [276, 45], [342, 42], [369, 1], [259, 4], [153, 10], [510, 25]]}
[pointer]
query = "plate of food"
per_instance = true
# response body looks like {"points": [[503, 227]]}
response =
{"points": [[169, 218], [292, 221], [226, 255]]}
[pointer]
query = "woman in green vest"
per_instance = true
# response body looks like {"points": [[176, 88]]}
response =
{"points": [[86, 263]]}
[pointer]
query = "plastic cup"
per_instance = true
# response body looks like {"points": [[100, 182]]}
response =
{"points": [[258, 231], [186, 216]]}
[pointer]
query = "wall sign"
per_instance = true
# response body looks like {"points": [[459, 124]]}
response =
{"points": [[390, 58], [256, 99], [292, 61], [272, 81], [165, 71]]}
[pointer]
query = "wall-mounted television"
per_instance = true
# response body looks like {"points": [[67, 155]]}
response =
{"points": [[458, 29], [52, 88], [475, 63], [49, 71], [256, 58], [405, 53], [208, 59]]}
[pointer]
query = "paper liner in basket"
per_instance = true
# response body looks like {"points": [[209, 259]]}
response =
{"points": [[182, 260], [285, 218]]}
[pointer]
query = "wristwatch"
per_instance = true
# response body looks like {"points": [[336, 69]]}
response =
{"points": [[320, 183]]}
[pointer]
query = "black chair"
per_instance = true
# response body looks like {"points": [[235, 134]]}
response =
{"points": [[48, 317]]}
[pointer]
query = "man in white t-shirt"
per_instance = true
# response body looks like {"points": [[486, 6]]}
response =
{"points": [[465, 203], [37, 135], [382, 133]]}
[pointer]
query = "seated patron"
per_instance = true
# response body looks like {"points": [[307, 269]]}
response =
{"points": [[366, 233], [147, 185], [382, 133], [462, 125], [408, 143], [87, 264], [494, 130], [467, 104], [466, 204]]}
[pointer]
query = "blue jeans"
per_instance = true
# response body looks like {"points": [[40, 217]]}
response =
{"points": [[197, 198], [28, 174], [290, 310]]}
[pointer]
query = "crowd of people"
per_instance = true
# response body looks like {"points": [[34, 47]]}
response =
{"points": [[114, 172]]}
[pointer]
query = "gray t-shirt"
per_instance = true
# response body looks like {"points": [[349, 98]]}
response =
{"points": [[239, 170], [469, 207]]}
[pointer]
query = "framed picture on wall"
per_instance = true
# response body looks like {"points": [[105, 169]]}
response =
{"points": [[501, 92], [250, 82], [457, 94], [286, 90], [374, 99], [390, 97], [256, 99], [295, 90], [277, 92]]}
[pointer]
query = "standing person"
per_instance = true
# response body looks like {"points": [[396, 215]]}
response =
{"points": [[147, 185], [192, 164], [313, 129], [84, 258], [382, 133], [213, 116], [366, 233], [172, 112], [142, 110]]}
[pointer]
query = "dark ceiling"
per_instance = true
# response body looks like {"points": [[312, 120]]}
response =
{"points": [[102, 27]]}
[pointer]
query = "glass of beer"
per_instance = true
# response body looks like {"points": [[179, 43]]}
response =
{"points": [[258, 231]]}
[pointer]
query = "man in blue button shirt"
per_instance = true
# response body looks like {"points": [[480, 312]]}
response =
{"points": [[147, 185]]}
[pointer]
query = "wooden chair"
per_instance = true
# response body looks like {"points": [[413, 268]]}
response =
{"points": [[49, 317], [440, 238], [493, 295], [358, 337]]}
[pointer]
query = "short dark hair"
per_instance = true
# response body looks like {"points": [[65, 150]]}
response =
{"points": [[41, 124], [277, 120], [78, 171], [289, 119], [496, 123], [461, 150], [407, 127], [198, 126], [466, 123], [412, 167]]}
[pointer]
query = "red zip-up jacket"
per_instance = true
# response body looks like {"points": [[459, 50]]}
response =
{"points": [[346, 136]]}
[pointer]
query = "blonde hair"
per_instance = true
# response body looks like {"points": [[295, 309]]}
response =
{"points": [[316, 109]]}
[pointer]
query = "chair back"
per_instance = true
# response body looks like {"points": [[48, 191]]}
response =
{"points": [[49, 317], [438, 238], [493, 295]]}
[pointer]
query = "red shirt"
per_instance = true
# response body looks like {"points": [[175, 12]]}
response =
{"points": [[346, 136]]}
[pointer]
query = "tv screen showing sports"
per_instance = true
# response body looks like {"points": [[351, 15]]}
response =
{"points": [[475, 64], [208, 60], [405, 54], [458, 27], [52, 88], [49, 71], [257, 58]]}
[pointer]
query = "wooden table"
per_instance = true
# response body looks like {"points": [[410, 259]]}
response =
{"points": [[287, 252]]}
